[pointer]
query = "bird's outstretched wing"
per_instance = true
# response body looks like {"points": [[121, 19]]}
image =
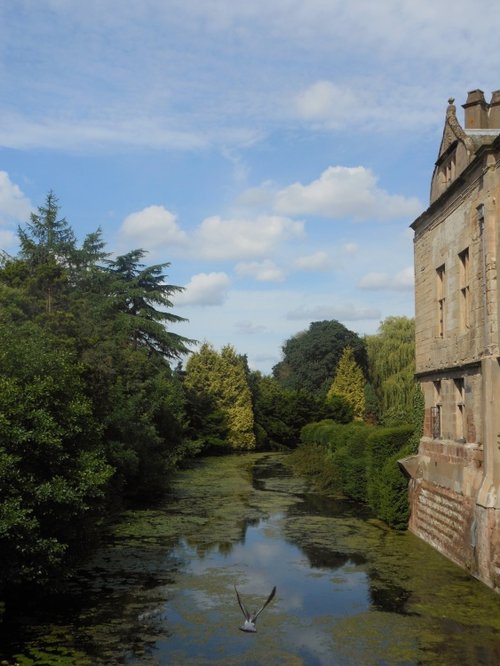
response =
{"points": [[243, 609], [269, 599]]}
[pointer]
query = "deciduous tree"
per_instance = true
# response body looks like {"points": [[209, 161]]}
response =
{"points": [[391, 357], [310, 358]]}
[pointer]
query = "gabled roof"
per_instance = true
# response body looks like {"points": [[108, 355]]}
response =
{"points": [[453, 133]]}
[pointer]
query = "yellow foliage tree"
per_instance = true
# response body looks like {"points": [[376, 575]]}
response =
{"points": [[349, 383], [222, 376]]}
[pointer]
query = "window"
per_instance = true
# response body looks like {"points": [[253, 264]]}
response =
{"points": [[436, 411], [441, 300], [449, 170], [464, 290], [460, 408]]}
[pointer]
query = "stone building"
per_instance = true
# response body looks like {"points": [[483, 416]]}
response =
{"points": [[455, 477]]}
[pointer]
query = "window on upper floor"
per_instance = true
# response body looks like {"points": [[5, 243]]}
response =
{"points": [[464, 290], [441, 300], [450, 169]]}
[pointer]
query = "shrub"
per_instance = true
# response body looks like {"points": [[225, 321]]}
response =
{"points": [[361, 461], [350, 461], [385, 446]]}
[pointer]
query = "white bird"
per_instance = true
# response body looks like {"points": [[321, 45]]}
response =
{"points": [[251, 618]]}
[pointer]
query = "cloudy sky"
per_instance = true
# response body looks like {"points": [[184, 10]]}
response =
{"points": [[274, 151]]}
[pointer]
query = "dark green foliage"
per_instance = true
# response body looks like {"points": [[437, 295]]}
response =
{"points": [[90, 411], [142, 426], [53, 473], [45, 238], [315, 461], [137, 291], [387, 487], [392, 505], [372, 407], [207, 430], [350, 460], [281, 413], [310, 358], [272, 409], [361, 461], [345, 448], [339, 409], [417, 419]]}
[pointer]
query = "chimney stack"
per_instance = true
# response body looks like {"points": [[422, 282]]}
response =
{"points": [[494, 112], [476, 110]]}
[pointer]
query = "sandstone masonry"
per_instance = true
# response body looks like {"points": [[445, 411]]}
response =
{"points": [[455, 478]]}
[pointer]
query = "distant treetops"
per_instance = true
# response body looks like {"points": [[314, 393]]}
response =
{"points": [[375, 374]]}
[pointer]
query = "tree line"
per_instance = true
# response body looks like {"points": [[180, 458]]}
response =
{"points": [[97, 408]]}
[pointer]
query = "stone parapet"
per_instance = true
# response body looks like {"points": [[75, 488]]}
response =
{"points": [[452, 452]]}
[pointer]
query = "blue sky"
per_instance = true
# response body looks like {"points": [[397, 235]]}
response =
{"points": [[275, 152]]}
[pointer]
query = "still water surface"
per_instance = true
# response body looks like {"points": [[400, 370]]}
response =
{"points": [[350, 591]]}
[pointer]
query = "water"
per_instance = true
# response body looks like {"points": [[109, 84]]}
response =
{"points": [[350, 591]]}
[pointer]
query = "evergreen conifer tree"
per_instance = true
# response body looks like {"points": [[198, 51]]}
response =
{"points": [[349, 383], [222, 377]]}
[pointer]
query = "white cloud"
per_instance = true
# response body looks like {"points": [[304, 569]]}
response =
{"points": [[76, 86], [327, 102], [204, 289], [260, 197], [264, 271], [152, 228], [404, 280], [345, 192], [249, 328], [8, 239], [238, 238], [319, 261], [350, 248], [93, 133], [14, 205], [342, 312]]}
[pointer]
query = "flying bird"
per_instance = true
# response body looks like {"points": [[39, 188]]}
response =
{"points": [[251, 618]]}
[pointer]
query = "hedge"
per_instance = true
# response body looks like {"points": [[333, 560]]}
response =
{"points": [[361, 461]]}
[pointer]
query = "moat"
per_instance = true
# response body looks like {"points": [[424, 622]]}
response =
{"points": [[350, 591]]}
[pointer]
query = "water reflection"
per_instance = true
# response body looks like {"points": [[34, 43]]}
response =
{"points": [[350, 592]]}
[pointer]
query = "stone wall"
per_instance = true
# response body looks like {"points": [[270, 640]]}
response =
{"points": [[454, 485]]}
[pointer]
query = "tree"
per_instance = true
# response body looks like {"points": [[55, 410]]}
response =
{"points": [[271, 403], [90, 410], [349, 383], [391, 358], [280, 413], [48, 248], [47, 238], [53, 472], [372, 408], [310, 358], [221, 379], [141, 301]]}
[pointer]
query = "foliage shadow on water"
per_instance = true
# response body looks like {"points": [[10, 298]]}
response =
{"points": [[350, 591]]}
